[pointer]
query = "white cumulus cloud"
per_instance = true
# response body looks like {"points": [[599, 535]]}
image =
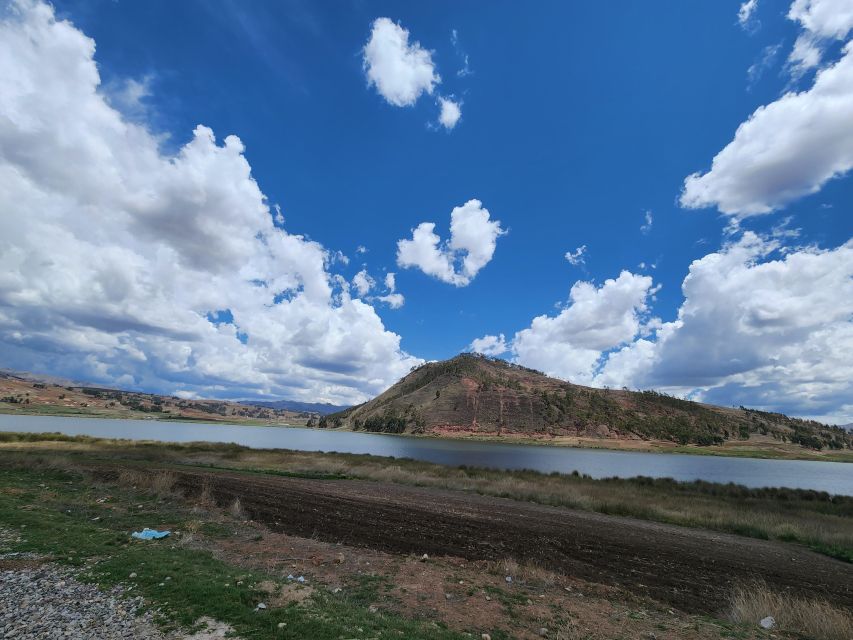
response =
{"points": [[755, 329], [473, 239], [785, 150], [363, 283], [489, 345], [822, 21], [392, 297], [401, 71], [596, 319], [120, 263], [450, 112]]}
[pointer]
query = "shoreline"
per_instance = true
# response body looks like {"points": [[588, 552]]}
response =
{"points": [[752, 448]]}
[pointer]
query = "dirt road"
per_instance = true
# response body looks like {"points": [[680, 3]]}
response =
{"points": [[691, 569]]}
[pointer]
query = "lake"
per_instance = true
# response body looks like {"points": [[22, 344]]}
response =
{"points": [[833, 477]]}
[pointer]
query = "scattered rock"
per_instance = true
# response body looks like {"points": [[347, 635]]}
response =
{"points": [[213, 630], [47, 601]]}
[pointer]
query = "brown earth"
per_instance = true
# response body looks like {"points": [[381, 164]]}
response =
{"points": [[692, 570], [30, 396], [475, 396]]}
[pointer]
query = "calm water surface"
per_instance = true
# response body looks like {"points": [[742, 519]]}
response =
{"points": [[834, 477]]}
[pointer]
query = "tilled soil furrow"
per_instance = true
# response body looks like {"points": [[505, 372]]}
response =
{"points": [[691, 569]]}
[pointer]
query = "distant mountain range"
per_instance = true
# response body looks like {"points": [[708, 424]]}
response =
{"points": [[480, 396], [322, 408]]}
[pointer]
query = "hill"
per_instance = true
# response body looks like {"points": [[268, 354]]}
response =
{"points": [[320, 408], [28, 394], [475, 395]]}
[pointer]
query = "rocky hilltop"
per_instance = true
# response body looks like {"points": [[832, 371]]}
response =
{"points": [[473, 394]]}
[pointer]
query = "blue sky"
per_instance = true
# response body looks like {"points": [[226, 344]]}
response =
{"points": [[579, 123]]}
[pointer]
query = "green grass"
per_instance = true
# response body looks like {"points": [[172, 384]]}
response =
{"points": [[815, 519], [57, 520]]}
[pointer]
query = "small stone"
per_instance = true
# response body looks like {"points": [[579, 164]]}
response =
{"points": [[485, 636], [543, 632], [508, 579], [447, 596], [767, 623], [424, 558], [282, 625], [132, 575], [261, 605], [372, 609], [488, 599]]}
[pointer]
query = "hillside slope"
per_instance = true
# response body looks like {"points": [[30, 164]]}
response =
{"points": [[478, 395], [27, 394]]}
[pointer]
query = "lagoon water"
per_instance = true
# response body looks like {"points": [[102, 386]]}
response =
{"points": [[833, 477]]}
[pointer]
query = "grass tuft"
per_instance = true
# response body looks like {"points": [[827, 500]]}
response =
{"points": [[812, 618]]}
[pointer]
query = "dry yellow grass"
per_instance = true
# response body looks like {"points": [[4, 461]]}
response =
{"points": [[525, 573], [236, 510], [161, 483], [815, 618], [825, 526]]}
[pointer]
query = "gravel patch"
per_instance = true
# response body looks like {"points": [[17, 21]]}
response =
{"points": [[47, 601]]}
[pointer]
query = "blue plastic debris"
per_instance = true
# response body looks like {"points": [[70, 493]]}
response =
{"points": [[149, 534]]}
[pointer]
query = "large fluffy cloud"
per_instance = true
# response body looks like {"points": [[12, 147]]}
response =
{"points": [[793, 146], [755, 329], [761, 324], [596, 319], [785, 150], [401, 71], [473, 239], [122, 264]]}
